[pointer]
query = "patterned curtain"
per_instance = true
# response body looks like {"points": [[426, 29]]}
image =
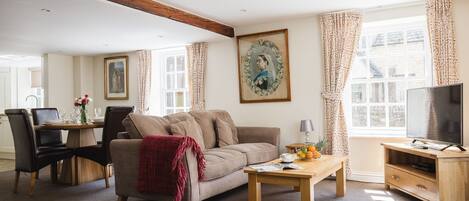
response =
{"points": [[443, 43], [197, 62], [340, 34], [143, 80]]}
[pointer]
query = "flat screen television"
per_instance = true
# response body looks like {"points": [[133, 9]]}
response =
{"points": [[436, 114]]}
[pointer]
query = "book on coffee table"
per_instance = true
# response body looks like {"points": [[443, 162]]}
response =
{"points": [[270, 167]]}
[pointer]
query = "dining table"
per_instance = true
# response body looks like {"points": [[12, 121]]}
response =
{"points": [[78, 170]]}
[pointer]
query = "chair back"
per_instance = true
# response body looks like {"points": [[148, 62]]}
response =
{"points": [[113, 125], [46, 137], [23, 137]]}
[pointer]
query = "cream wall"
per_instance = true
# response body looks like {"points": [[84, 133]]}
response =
{"points": [[98, 76], [58, 81], [222, 91], [83, 70], [461, 14]]}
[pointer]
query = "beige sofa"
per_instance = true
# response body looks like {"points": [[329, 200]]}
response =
{"points": [[224, 165]]}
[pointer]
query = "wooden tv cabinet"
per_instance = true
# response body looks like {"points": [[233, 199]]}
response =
{"points": [[446, 177]]}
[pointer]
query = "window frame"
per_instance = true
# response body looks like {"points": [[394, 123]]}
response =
{"points": [[163, 76], [385, 27]]}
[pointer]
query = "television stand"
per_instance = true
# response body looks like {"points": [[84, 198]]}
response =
{"points": [[427, 174], [452, 145]]}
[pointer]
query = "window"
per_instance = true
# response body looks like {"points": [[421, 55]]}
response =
{"points": [[170, 69], [392, 57]]}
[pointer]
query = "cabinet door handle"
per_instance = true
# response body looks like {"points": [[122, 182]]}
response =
{"points": [[422, 187], [395, 177]]}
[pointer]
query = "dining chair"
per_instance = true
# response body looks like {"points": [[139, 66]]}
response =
{"points": [[46, 138], [28, 158], [100, 153]]}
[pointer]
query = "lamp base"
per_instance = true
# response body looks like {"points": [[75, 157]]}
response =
{"points": [[308, 138]]}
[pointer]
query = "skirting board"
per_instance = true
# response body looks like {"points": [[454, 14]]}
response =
{"points": [[371, 177], [7, 153]]}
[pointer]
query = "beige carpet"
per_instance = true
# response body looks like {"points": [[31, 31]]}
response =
{"points": [[95, 191]]}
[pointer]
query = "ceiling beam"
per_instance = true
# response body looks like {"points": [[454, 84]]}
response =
{"points": [[155, 8]]}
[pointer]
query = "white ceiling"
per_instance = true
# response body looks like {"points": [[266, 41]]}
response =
{"points": [[20, 61], [86, 27], [246, 12]]}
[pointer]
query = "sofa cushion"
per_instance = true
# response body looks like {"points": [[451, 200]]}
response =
{"points": [[177, 117], [189, 128], [225, 116], [221, 162], [139, 125], [206, 120], [224, 132], [256, 152]]}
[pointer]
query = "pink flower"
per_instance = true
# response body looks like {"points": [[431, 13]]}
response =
{"points": [[81, 101]]}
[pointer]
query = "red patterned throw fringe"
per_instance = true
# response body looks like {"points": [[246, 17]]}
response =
{"points": [[162, 168]]}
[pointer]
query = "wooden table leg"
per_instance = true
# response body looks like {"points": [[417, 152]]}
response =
{"points": [[340, 181], [79, 170], [307, 190], [387, 187], [254, 188]]}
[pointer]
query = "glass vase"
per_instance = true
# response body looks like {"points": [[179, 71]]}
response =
{"points": [[83, 115]]}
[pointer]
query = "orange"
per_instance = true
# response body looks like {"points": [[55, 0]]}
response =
{"points": [[312, 148], [317, 155], [309, 155]]}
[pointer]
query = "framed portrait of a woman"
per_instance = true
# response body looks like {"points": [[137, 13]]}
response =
{"points": [[116, 78], [264, 70]]}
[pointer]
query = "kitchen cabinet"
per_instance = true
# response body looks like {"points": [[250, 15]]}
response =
{"points": [[7, 147]]}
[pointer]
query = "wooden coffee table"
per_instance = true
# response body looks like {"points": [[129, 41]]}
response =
{"points": [[303, 180]]}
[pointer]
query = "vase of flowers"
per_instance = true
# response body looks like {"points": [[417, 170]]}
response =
{"points": [[81, 103]]}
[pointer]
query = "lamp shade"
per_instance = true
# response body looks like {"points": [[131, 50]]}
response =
{"points": [[306, 126]]}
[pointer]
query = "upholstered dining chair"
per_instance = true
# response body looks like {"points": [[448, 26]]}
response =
{"points": [[28, 158], [100, 153], [46, 138]]}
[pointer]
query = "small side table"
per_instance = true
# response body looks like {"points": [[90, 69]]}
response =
{"points": [[291, 148]]}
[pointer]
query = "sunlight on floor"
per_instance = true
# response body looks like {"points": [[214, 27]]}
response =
{"points": [[379, 195]]}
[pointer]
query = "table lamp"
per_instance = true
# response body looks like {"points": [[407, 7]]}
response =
{"points": [[307, 127]]}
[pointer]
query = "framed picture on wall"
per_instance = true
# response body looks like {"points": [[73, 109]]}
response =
{"points": [[263, 67], [116, 78]]}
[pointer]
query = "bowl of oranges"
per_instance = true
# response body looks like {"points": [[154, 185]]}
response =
{"points": [[308, 152]]}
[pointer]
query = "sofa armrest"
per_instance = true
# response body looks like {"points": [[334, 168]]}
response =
{"points": [[125, 157], [259, 134]]}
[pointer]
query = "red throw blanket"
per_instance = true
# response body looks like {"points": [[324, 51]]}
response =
{"points": [[161, 167]]}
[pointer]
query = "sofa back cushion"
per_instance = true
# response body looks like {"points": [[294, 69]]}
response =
{"points": [[177, 117], [225, 133], [139, 125], [189, 128], [206, 120]]}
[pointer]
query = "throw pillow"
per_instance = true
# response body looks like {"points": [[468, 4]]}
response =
{"points": [[189, 128], [225, 133]]}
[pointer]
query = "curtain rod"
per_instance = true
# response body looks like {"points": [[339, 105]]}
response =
{"points": [[378, 8]]}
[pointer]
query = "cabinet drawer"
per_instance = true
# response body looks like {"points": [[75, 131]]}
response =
{"points": [[411, 183]]}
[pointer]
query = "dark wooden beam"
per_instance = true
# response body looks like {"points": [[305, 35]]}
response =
{"points": [[155, 8]]}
